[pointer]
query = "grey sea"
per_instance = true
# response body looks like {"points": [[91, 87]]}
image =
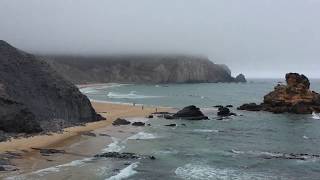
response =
{"points": [[252, 145]]}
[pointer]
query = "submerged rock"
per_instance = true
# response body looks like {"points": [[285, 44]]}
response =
{"points": [[294, 97], [138, 124], [124, 155], [118, 155], [119, 122], [190, 113], [250, 107], [171, 125]]}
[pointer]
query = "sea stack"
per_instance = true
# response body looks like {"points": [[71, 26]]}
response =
{"points": [[35, 98], [294, 97]]}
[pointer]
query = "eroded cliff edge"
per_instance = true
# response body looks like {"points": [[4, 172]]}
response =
{"points": [[141, 69], [35, 98]]}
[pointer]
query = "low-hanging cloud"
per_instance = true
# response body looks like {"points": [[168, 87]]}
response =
{"points": [[261, 38]]}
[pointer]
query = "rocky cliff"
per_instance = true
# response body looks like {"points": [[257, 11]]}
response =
{"points": [[35, 98], [140, 69], [294, 97]]}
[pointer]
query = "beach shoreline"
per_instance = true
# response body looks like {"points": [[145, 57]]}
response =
{"points": [[111, 111], [72, 136]]}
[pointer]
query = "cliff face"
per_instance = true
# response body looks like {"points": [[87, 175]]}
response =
{"points": [[140, 69], [34, 98]]}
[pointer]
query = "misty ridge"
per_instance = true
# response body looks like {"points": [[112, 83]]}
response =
{"points": [[141, 69]]}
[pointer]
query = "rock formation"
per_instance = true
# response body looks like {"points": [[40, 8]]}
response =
{"points": [[35, 98], [294, 97], [141, 69], [190, 113], [241, 78]]}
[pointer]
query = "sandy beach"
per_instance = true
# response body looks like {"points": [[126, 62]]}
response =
{"points": [[109, 110], [72, 141]]}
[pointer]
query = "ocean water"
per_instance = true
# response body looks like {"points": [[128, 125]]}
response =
{"points": [[251, 145]]}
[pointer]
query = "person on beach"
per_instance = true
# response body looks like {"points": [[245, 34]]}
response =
{"points": [[142, 107]]}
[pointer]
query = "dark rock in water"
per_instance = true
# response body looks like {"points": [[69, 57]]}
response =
{"points": [[149, 124], [190, 113], [34, 97], [120, 121], [171, 125], [118, 155], [124, 155], [152, 157], [218, 106], [294, 97], [167, 116], [138, 124], [224, 111], [229, 106], [250, 107], [44, 151], [102, 134], [241, 78], [183, 125], [150, 116], [88, 134]]}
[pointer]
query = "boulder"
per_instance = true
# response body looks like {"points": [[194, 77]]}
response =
{"points": [[119, 122], [190, 113], [294, 97], [250, 107], [224, 111], [138, 124]]}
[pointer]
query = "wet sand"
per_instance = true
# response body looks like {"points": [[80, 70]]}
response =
{"points": [[73, 141]]}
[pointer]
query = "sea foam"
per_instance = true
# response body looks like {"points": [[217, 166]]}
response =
{"points": [[131, 95], [126, 172], [143, 135], [206, 130], [114, 146], [315, 115], [205, 172]]}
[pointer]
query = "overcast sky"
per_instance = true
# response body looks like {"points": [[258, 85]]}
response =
{"points": [[261, 38]]}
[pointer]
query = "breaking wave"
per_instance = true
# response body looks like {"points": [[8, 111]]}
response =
{"points": [[126, 172], [315, 115], [131, 95]]}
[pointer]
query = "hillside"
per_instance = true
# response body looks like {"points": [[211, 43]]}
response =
{"points": [[140, 69], [35, 98]]}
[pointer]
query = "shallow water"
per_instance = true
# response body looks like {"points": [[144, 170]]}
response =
{"points": [[251, 146]]}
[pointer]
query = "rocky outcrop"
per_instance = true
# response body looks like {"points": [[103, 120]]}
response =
{"points": [[140, 69], [241, 78], [190, 113], [294, 97], [119, 122], [35, 98]]}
